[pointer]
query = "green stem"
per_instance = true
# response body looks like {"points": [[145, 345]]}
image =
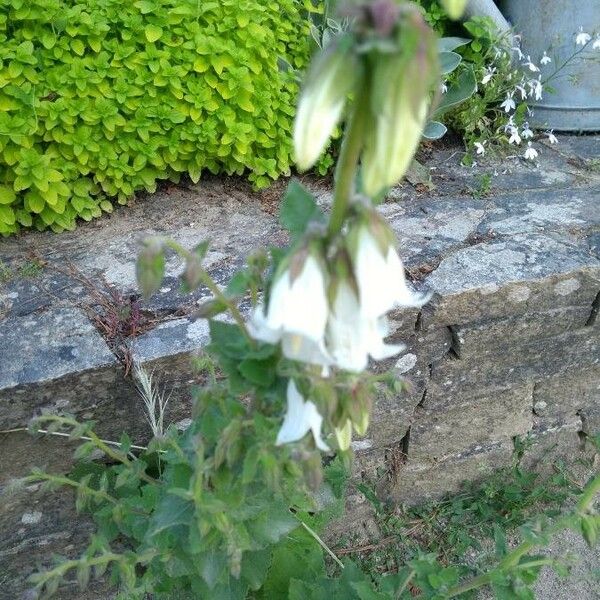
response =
{"points": [[347, 165], [214, 288]]}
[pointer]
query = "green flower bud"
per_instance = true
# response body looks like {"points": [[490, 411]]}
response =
{"points": [[401, 90], [332, 76], [150, 267], [343, 435], [454, 8]]}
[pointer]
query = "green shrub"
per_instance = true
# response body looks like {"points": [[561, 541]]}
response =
{"points": [[101, 98]]}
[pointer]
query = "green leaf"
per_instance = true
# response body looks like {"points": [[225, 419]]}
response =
{"points": [[447, 44], [269, 527], [7, 215], [449, 61], [255, 566], [211, 565], [172, 510], [7, 195], [259, 372], [153, 32], [298, 208], [228, 339], [366, 591], [464, 88]]}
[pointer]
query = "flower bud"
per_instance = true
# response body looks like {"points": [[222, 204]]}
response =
{"points": [[150, 267], [343, 435], [401, 89], [332, 76], [454, 8]]}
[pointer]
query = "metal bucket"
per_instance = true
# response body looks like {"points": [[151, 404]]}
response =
{"points": [[551, 25]]}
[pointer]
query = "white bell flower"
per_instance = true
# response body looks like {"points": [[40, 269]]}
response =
{"points": [[353, 337], [545, 60], [379, 274], [298, 299], [479, 148], [301, 417], [551, 137]]}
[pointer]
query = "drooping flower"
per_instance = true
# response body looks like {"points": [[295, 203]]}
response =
{"points": [[480, 148], [297, 310], [353, 337], [545, 60], [596, 44], [399, 101], [301, 417], [378, 270], [582, 38], [551, 137], [531, 153], [330, 79]]}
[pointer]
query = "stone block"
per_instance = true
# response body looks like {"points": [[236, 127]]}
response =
{"points": [[419, 481], [36, 525], [567, 393], [527, 361], [508, 277], [484, 337], [438, 433], [552, 440], [590, 420]]}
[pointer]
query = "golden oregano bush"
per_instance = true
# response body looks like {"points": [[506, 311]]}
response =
{"points": [[101, 98]]}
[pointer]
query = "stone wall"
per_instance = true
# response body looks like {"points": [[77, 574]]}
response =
{"points": [[508, 347]]}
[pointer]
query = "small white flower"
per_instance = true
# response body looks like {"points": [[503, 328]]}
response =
{"points": [[480, 148], [509, 104], [551, 137], [533, 68], [531, 153], [582, 38], [489, 73], [596, 44], [545, 60], [300, 418], [522, 91], [515, 138], [536, 88], [527, 134], [443, 87]]}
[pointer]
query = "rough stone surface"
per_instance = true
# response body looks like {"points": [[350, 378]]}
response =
{"points": [[509, 345], [568, 393], [438, 434], [416, 480]]}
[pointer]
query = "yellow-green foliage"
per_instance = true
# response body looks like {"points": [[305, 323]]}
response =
{"points": [[100, 98]]}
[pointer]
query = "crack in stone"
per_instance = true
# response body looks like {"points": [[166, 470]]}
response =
{"points": [[594, 312]]}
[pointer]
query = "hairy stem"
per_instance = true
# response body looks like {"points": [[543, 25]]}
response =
{"points": [[345, 173]]}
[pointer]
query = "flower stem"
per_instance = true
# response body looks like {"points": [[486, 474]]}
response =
{"points": [[347, 165]]}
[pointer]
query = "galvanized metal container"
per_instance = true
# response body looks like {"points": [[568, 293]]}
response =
{"points": [[551, 25]]}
